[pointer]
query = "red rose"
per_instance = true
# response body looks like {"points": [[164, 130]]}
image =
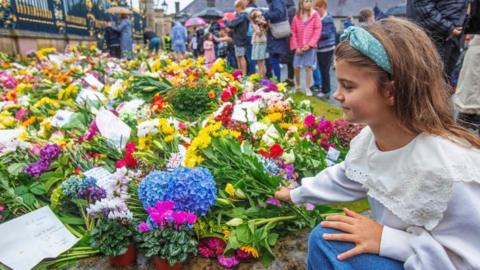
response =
{"points": [[264, 153], [120, 164], [275, 151]]}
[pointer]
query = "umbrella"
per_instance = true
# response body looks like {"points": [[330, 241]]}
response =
{"points": [[119, 10], [210, 13], [397, 11], [195, 21], [229, 16]]}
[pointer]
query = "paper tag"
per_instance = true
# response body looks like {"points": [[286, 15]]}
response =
{"points": [[112, 128], [332, 156], [87, 95], [61, 118], [103, 176], [56, 58], [93, 82], [28, 239]]}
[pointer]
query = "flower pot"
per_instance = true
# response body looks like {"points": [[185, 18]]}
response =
{"points": [[126, 259], [162, 264]]}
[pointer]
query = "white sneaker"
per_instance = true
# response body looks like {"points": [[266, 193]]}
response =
{"points": [[308, 92], [322, 95]]}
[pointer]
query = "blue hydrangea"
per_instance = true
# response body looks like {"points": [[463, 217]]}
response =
{"points": [[89, 182], [269, 166], [72, 186], [153, 188], [192, 190]]}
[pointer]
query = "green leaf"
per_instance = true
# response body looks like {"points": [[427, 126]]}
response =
{"points": [[272, 239], [244, 234], [16, 168], [38, 189], [28, 199]]}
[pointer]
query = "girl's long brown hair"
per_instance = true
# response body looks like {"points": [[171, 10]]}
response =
{"points": [[422, 99]]}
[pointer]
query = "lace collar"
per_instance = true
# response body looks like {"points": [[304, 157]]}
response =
{"points": [[414, 182]]}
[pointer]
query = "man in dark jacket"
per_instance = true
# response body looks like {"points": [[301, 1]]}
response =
{"points": [[112, 40], [276, 47], [239, 28], [153, 41], [445, 21]]}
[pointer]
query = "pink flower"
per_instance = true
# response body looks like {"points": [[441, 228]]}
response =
{"points": [[143, 227], [237, 74], [21, 114], [206, 252], [310, 121], [309, 136], [228, 262], [165, 205], [274, 202], [309, 206]]}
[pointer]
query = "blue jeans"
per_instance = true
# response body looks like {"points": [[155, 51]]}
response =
{"points": [[275, 63], [321, 75], [322, 254], [251, 64]]}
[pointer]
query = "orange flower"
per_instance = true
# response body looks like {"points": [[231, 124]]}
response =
{"points": [[211, 94], [11, 95]]}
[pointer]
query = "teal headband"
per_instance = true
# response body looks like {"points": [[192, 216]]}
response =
{"points": [[364, 42]]}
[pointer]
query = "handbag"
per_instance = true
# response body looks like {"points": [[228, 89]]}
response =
{"points": [[281, 29]]}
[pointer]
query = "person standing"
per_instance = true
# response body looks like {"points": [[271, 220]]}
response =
{"points": [[239, 28], [179, 40], [251, 63], [112, 40], [194, 44], [444, 20], [306, 30], [124, 27], [326, 47], [259, 40], [209, 49], [276, 47]]}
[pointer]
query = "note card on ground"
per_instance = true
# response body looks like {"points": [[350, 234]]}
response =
{"points": [[26, 240]]}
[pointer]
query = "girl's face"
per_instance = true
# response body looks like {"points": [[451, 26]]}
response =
{"points": [[307, 4], [360, 97]]}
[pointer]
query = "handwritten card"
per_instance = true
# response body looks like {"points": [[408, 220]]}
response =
{"points": [[30, 238], [61, 118]]}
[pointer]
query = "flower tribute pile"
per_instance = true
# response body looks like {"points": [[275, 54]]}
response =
{"points": [[187, 153]]}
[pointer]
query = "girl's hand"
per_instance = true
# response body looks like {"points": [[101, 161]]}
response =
{"points": [[365, 233], [283, 194], [298, 51]]}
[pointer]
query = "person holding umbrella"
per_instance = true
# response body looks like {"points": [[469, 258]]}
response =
{"points": [[124, 27]]}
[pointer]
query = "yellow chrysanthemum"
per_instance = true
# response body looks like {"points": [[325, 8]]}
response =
{"points": [[275, 117], [169, 138], [230, 190], [156, 66], [250, 250], [42, 53], [226, 234]]}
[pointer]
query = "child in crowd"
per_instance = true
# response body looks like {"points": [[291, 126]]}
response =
{"points": [[417, 167], [223, 41], [259, 40], [239, 27], [306, 29], [209, 49]]}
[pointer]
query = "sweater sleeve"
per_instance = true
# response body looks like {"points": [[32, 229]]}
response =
{"points": [[452, 244], [293, 38], [317, 31], [329, 186]]}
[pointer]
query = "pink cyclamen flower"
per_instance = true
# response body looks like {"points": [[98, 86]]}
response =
{"points": [[143, 227], [228, 262], [273, 201], [309, 206], [242, 255]]}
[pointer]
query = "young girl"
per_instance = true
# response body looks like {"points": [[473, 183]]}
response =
{"points": [[259, 40], [209, 49], [306, 29], [418, 168]]}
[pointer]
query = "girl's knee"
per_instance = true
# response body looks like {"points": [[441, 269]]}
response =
{"points": [[316, 236]]}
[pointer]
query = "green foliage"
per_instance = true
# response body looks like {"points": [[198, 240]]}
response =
{"points": [[191, 103], [169, 244], [111, 237]]}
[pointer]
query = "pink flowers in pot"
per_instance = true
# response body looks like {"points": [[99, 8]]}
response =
{"points": [[163, 215]]}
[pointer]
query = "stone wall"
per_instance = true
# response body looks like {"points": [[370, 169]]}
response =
{"points": [[22, 42]]}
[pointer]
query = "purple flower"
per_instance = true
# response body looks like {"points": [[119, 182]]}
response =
{"points": [[50, 151], [143, 227], [228, 262], [270, 86], [274, 202], [309, 206], [289, 171], [37, 168]]}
